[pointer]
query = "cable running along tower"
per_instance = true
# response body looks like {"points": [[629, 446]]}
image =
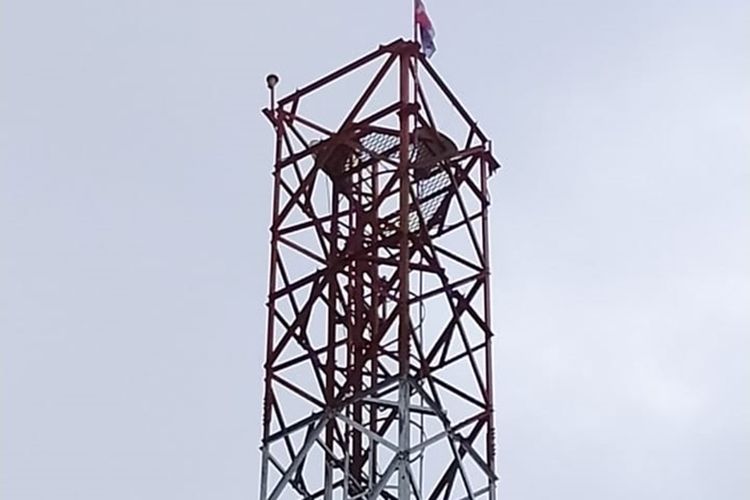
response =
{"points": [[378, 375]]}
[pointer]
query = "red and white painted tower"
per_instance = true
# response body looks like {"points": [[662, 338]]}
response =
{"points": [[379, 341]]}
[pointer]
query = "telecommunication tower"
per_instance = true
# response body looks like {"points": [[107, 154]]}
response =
{"points": [[378, 374]]}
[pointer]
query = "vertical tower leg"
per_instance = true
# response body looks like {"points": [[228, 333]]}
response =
{"points": [[404, 389]]}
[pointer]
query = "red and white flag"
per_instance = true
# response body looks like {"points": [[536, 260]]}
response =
{"points": [[426, 31]]}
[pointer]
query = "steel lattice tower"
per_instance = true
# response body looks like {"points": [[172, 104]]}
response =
{"points": [[378, 375]]}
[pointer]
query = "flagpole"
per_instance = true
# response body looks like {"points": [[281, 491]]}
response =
{"points": [[414, 20], [416, 59], [415, 91]]}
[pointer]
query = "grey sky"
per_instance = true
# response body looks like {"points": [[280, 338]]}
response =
{"points": [[134, 206]]}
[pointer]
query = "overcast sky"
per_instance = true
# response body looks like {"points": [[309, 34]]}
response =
{"points": [[135, 203]]}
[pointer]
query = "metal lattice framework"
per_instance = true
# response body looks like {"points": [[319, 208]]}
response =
{"points": [[378, 362]]}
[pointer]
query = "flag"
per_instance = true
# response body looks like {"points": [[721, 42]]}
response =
{"points": [[426, 31]]}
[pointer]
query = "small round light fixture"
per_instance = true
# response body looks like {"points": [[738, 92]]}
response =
{"points": [[272, 80]]}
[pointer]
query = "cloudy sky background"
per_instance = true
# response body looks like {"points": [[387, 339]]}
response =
{"points": [[135, 200]]}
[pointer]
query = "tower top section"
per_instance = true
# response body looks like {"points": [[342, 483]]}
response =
{"points": [[365, 94]]}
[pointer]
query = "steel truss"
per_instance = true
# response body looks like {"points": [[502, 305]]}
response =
{"points": [[378, 375]]}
